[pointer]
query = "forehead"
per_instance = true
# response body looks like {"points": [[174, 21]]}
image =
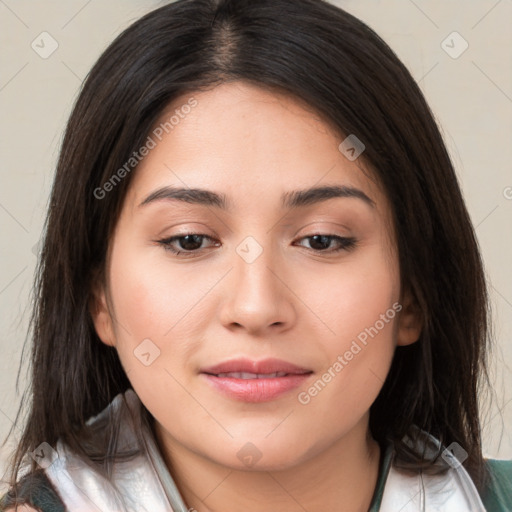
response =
{"points": [[245, 141]]}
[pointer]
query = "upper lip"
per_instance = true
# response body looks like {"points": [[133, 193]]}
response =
{"points": [[259, 367]]}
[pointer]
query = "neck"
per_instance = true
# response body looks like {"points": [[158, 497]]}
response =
{"points": [[345, 472]]}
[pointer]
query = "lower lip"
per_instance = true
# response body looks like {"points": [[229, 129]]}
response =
{"points": [[256, 390]]}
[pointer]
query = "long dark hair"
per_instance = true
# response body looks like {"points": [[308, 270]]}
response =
{"points": [[324, 56]]}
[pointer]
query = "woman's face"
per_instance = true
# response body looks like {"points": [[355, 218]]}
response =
{"points": [[256, 283]]}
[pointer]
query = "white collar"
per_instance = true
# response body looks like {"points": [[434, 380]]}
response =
{"points": [[453, 491], [145, 484]]}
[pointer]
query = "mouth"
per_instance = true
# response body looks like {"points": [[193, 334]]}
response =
{"points": [[255, 381], [247, 375]]}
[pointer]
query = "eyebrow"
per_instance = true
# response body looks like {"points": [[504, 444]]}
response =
{"points": [[290, 200]]}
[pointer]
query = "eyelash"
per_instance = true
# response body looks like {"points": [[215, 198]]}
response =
{"points": [[346, 243]]}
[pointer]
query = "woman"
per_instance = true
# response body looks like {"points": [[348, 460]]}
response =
{"points": [[260, 288]]}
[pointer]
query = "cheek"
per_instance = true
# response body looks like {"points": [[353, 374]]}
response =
{"points": [[351, 297], [358, 305], [149, 304], [158, 302], [149, 294]]}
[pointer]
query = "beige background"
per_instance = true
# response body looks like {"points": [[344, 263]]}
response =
{"points": [[471, 97]]}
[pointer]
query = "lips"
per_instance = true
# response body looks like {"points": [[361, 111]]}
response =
{"points": [[255, 381], [248, 375], [248, 367]]}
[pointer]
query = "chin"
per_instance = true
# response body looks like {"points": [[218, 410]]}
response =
{"points": [[259, 455]]}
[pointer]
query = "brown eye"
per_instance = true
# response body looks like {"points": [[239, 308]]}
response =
{"points": [[322, 243], [186, 243]]}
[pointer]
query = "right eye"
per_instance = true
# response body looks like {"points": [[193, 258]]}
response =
{"points": [[188, 243]]}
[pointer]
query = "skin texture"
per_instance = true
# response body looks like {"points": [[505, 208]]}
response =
{"points": [[293, 302]]}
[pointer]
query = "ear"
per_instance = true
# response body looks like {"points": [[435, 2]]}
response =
{"points": [[410, 321], [100, 313]]}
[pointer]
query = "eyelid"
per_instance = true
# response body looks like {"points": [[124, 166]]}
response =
{"points": [[325, 227]]}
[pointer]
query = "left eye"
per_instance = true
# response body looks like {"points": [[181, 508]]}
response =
{"points": [[191, 243], [344, 243]]}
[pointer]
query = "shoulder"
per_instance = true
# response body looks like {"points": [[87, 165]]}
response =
{"points": [[497, 495], [34, 492]]}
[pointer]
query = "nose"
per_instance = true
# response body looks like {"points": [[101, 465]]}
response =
{"points": [[258, 297]]}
